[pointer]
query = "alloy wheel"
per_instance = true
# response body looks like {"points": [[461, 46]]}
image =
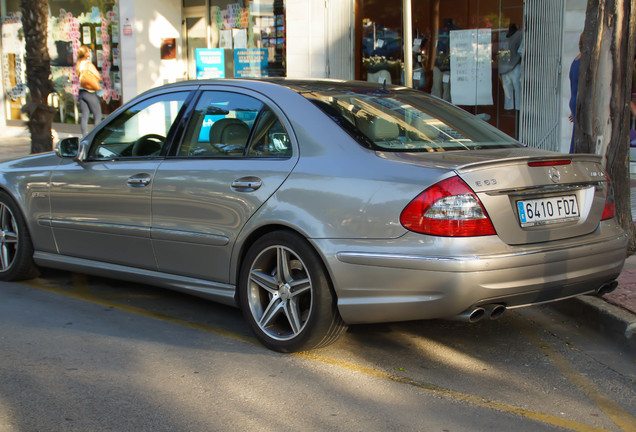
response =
{"points": [[280, 293], [8, 238]]}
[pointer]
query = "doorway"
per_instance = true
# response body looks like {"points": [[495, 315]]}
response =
{"points": [[195, 30]]}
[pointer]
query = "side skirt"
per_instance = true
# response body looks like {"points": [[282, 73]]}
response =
{"points": [[218, 292]]}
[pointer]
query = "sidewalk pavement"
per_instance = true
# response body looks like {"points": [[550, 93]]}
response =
{"points": [[614, 313]]}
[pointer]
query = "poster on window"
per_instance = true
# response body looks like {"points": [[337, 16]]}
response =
{"points": [[471, 70], [11, 42], [210, 63], [250, 63]]}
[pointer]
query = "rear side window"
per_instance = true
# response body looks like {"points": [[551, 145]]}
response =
{"points": [[407, 121], [227, 124]]}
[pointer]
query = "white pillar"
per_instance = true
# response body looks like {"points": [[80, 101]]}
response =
{"points": [[408, 43]]}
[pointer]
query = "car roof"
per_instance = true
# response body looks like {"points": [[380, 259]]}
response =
{"points": [[297, 84]]}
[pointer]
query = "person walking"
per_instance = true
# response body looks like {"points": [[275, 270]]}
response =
{"points": [[574, 87], [90, 82]]}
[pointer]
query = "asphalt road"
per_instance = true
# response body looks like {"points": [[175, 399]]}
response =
{"points": [[88, 354]]}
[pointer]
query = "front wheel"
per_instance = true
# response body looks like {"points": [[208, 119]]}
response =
{"points": [[286, 296], [16, 250]]}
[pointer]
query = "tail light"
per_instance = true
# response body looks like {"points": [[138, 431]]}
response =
{"points": [[449, 208], [609, 211]]}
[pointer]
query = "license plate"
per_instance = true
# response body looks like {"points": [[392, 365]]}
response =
{"points": [[545, 211]]}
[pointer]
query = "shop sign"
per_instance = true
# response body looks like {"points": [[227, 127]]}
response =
{"points": [[210, 63], [250, 63]]}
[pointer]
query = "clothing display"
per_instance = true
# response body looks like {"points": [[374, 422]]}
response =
{"points": [[511, 83], [441, 84], [509, 64]]}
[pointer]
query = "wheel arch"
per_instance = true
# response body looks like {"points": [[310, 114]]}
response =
{"points": [[260, 231], [18, 203]]}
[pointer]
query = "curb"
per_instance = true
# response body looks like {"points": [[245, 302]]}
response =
{"points": [[598, 314]]}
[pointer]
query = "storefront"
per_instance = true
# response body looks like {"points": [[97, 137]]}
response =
{"points": [[506, 61], [136, 47], [71, 24], [465, 51], [242, 39]]}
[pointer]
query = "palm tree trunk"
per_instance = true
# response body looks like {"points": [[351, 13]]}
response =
{"points": [[38, 70]]}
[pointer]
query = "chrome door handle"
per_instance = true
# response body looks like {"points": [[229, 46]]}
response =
{"points": [[247, 184], [139, 180]]}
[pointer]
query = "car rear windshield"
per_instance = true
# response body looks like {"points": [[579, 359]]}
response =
{"points": [[406, 120]]}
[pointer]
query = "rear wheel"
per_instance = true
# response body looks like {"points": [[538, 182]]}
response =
{"points": [[286, 296], [16, 249]]}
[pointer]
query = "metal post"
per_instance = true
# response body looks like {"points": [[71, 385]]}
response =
{"points": [[408, 43]]}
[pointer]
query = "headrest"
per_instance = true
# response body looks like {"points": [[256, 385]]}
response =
{"points": [[420, 130], [379, 129], [229, 131]]}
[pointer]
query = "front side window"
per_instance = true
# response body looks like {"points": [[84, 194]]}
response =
{"points": [[226, 124], [141, 130], [406, 121]]}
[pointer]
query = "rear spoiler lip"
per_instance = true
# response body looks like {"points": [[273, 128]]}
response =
{"points": [[475, 166]]}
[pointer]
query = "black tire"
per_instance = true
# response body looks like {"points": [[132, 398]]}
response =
{"points": [[286, 296], [16, 249]]}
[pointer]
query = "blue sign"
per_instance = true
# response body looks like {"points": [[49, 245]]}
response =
{"points": [[250, 63], [210, 63]]}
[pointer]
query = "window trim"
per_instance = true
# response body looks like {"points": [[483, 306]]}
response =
{"points": [[190, 116], [189, 92]]}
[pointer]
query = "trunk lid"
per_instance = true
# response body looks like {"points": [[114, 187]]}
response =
{"points": [[530, 196]]}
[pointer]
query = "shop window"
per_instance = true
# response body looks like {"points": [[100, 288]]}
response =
{"points": [[464, 51], [71, 24], [247, 40]]}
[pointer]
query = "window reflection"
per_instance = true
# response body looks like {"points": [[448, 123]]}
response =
{"points": [[461, 52]]}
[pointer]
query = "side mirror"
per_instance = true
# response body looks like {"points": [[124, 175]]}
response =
{"points": [[71, 147]]}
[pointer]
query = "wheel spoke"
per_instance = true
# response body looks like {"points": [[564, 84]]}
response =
{"points": [[299, 286], [270, 312], [8, 237], [3, 216], [282, 263], [291, 312], [265, 281], [4, 257]]}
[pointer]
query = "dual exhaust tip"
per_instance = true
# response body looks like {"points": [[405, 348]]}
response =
{"points": [[495, 311], [474, 314]]}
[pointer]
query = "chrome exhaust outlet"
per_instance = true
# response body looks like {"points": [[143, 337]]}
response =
{"points": [[606, 288], [495, 311], [471, 315]]}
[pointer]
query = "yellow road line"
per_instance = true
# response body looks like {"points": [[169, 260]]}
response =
{"points": [[614, 411], [83, 294], [455, 395], [80, 284]]}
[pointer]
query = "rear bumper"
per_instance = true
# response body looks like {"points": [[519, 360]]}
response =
{"points": [[409, 279]]}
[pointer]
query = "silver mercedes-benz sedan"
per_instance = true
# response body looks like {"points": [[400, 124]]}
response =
{"points": [[313, 205]]}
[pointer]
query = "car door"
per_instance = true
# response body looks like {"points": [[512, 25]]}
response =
{"points": [[100, 206], [235, 153]]}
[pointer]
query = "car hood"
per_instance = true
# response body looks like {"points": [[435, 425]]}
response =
{"points": [[35, 161]]}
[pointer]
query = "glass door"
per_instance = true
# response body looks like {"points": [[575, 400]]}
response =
{"points": [[196, 36]]}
